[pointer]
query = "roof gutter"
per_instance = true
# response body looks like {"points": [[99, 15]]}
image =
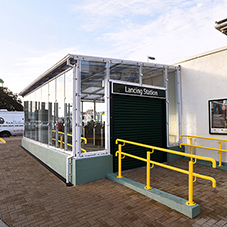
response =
{"points": [[36, 83]]}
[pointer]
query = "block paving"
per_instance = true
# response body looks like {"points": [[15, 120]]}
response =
{"points": [[30, 195]]}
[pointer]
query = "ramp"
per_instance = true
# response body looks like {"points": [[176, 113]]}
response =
{"points": [[172, 201]]}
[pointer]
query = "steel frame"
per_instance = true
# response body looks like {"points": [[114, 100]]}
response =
{"points": [[74, 61]]}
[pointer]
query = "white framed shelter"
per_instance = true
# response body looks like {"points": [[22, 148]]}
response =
{"points": [[98, 99]]}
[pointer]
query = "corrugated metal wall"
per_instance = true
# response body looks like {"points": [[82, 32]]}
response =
{"points": [[138, 119]]}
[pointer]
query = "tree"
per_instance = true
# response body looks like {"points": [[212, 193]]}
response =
{"points": [[9, 100]]}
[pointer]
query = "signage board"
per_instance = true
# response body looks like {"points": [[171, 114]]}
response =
{"points": [[218, 116], [125, 89]]}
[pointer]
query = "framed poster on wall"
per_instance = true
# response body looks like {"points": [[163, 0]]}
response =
{"points": [[218, 116]]}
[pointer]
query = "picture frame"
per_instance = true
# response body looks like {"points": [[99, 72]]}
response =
{"points": [[218, 116]]}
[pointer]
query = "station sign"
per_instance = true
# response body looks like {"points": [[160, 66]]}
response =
{"points": [[132, 90]]}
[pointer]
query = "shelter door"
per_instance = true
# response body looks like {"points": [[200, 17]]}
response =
{"points": [[137, 119]]}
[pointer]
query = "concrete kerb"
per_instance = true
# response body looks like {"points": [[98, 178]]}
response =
{"points": [[172, 201]]}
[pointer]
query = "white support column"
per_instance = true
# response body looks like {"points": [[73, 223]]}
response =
{"points": [[82, 109], [74, 114], [167, 104], [65, 117], [141, 75], [94, 118], [107, 112], [56, 114], [178, 100], [82, 115], [77, 110]]}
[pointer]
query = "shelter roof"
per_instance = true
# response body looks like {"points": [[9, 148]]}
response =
{"points": [[92, 75]]}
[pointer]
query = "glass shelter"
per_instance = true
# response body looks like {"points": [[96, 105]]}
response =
{"points": [[78, 107]]}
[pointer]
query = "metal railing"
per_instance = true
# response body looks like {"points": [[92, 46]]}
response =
{"points": [[2, 140], [148, 160], [219, 149], [62, 142]]}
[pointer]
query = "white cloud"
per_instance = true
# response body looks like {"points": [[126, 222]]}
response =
{"points": [[102, 13], [132, 29], [178, 33]]}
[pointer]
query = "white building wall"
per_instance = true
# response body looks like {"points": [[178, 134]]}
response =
{"points": [[203, 78]]}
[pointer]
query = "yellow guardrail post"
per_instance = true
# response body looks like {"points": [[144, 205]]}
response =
{"points": [[218, 140], [148, 171], [219, 152], [191, 148], [61, 142], [119, 161], [190, 184], [191, 175]]}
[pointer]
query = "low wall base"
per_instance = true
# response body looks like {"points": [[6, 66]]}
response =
{"points": [[172, 201], [92, 168], [53, 159], [83, 169]]}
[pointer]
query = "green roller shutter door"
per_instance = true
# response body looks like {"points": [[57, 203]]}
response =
{"points": [[138, 119]]}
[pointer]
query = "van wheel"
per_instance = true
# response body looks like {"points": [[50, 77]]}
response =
{"points": [[5, 134]]}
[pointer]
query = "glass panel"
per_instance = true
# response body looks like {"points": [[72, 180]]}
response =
{"points": [[30, 119], [39, 123], [48, 114], [60, 110], [93, 105], [91, 90], [26, 117], [52, 118], [32, 115], [152, 76], [92, 80], [68, 109], [93, 123], [35, 116], [44, 115], [92, 97], [129, 73]]}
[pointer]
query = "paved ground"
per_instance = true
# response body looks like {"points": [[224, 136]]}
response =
{"points": [[30, 195]]}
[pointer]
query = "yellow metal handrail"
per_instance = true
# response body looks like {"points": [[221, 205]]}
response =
{"points": [[62, 142], [219, 149], [85, 139], [2, 140], [148, 160], [59, 132]]}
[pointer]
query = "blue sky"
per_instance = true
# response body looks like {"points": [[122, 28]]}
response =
{"points": [[36, 34]]}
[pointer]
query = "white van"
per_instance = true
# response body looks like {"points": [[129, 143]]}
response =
{"points": [[11, 123]]}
